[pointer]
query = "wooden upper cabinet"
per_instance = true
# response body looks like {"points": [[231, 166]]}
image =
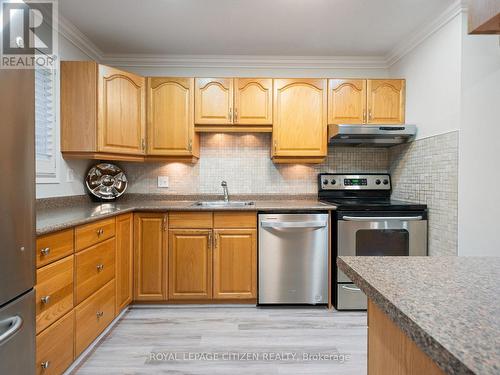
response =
{"points": [[190, 264], [103, 112], [150, 260], [253, 101], [235, 263], [213, 101], [300, 118], [346, 101], [124, 261], [171, 117], [121, 114], [386, 101]]}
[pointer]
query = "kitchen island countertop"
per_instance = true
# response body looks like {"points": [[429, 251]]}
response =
{"points": [[449, 306]]}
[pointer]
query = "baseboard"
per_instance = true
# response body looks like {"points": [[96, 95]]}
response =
{"points": [[90, 349]]}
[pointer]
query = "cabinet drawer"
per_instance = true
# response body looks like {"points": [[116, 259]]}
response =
{"points": [[93, 316], [94, 268], [90, 234], [224, 220], [54, 246], [190, 220], [54, 347], [54, 292]]}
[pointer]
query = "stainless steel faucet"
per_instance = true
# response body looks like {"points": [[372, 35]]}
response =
{"points": [[226, 192]]}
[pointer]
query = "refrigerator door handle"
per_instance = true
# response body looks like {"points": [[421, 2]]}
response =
{"points": [[9, 327]]}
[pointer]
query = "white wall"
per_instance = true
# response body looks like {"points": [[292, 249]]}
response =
{"points": [[65, 184], [432, 72], [479, 147]]}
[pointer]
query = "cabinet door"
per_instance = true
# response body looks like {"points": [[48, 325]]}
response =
{"points": [[171, 116], [124, 261], [235, 263], [300, 117], [253, 101], [213, 103], [190, 264], [386, 101], [150, 267], [121, 112], [346, 101]]}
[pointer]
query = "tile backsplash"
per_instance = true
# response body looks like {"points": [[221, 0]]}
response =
{"points": [[243, 160], [426, 171]]}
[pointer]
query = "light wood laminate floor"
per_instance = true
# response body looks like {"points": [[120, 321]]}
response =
{"points": [[266, 340]]}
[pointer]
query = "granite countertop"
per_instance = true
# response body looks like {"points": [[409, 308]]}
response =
{"points": [[53, 218], [449, 306]]}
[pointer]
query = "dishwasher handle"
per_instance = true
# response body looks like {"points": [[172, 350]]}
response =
{"points": [[382, 218], [293, 224]]}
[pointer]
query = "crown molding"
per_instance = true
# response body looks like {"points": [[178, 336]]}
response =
{"points": [[78, 39], [425, 32], [246, 62]]}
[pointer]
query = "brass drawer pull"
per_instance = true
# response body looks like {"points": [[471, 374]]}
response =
{"points": [[99, 314], [100, 232], [45, 299], [45, 364], [100, 267], [45, 251]]}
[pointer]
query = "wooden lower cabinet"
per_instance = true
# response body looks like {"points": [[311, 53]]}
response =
{"points": [[93, 315], [124, 260], [391, 351], [95, 267], [54, 292], [235, 263], [190, 264], [54, 347], [150, 257]]}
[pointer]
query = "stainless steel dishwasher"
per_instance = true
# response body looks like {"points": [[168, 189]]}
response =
{"points": [[293, 259]]}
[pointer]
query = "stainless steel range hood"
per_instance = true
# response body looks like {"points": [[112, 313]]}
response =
{"points": [[370, 135]]}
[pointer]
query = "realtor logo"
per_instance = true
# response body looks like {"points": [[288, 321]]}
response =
{"points": [[29, 34]]}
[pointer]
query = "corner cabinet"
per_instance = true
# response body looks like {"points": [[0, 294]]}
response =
{"points": [[360, 101], [300, 121], [102, 112], [150, 257], [233, 104], [170, 119]]}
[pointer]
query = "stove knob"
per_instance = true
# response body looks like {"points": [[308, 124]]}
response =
{"points": [[386, 182], [377, 181], [325, 182], [333, 182]]}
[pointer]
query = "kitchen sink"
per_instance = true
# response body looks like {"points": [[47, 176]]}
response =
{"points": [[224, 204]]}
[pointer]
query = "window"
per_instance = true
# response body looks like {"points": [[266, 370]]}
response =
{"points": [[45, 124]]}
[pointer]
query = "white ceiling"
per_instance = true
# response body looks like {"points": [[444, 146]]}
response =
{"points": [[250, 27]]}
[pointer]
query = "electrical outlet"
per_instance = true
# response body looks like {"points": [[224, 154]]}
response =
{"points": [[163, 181]]}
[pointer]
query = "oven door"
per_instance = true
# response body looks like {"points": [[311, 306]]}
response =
{"points": [[381, 234]]}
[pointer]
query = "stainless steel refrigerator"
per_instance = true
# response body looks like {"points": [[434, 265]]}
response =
{"points": [[17, 222]]}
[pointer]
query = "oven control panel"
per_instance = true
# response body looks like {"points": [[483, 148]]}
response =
{"points": [[336, 181]]}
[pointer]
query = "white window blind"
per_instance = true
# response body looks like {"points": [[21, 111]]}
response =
{"points": [[45, 123]]}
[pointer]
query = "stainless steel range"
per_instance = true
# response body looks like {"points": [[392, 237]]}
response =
{"points": [[368, 222]]}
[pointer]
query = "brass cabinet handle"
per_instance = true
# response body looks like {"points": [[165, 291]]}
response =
{"points": [[230, 114], [275, 146], [370, 114], [45, 251], [45, 364], [45, 299], [100, 267], [100, 232], [215, 240], [143, 144], [210, 240], [236, 115], [364, 115], [164, 223], [99, 314], [190, 145]]}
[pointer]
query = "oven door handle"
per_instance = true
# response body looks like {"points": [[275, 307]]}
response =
{"points": [[381, 218]]}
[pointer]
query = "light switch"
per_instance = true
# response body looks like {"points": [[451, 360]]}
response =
{"points": [[163, 181]]}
